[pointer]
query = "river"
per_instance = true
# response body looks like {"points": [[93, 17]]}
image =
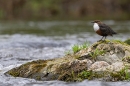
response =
{"points": [[24, 41]]}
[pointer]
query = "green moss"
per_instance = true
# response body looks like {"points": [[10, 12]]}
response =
{"points": [[90, 75], [118, 41], [14, 72], [127, 41], [96, 53], [111, 41], [100, 42], [121, 75], [76, 48], [104, 75], [85, 75], [80, 76]]}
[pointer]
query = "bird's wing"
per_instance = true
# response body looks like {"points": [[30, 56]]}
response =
{"points": [[106, 29]]}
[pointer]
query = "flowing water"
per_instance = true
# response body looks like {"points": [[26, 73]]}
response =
{"points": [[21, 42]]}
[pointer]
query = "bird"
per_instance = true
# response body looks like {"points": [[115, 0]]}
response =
{"points": [[102, 29]]}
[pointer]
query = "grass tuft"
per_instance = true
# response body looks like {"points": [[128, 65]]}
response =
{"points": [[96, 53], [76, 48], [85, 74]]}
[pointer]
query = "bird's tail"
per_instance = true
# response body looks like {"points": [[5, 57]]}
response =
{"points": [[114, 32]]}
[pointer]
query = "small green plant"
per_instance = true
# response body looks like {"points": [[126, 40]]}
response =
{"points": [[77, 48], [96, 52], [85, 74], [127, 74], [121, 75]]}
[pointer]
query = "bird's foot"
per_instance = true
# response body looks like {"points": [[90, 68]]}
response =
{"points": [[104, 40], [101, 41]]}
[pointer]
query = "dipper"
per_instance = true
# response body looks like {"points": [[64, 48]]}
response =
{"points": [[102, 29]]}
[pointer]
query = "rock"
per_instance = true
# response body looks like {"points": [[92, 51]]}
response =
{"points": [[76, 66], [105, 60], [104, 66], [113, 52], [107, 51], [98, 65], [117, 66], [50, 69]]}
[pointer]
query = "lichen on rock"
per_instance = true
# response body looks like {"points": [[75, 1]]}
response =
{"points": [[106, 60]]}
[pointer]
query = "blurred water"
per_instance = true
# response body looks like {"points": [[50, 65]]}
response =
{"points": [[21, 42]]}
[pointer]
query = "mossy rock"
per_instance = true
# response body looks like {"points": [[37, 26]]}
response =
{"points": [[80, 65], [29, 69]]}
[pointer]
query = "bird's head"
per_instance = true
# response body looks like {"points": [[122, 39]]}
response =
{"points": [[96, 21]]}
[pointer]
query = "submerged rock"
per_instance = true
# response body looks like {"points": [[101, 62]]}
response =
{"points": [[101, 60]]}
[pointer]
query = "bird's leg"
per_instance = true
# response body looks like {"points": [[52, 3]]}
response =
{"points": [[101, 39], [104, 38]]}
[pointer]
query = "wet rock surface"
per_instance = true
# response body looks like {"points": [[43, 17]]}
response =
{"points": [[108, 60]]}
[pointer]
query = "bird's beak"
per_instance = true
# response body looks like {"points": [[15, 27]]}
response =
{"points": [[92, 22]]}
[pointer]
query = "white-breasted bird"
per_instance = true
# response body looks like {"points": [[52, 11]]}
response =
{"points": [[102, 29]]}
